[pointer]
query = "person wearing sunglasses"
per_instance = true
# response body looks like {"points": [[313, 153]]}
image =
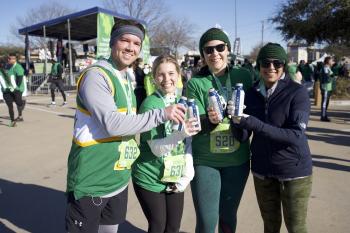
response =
{"points": [[277, 113], [221, 163]]}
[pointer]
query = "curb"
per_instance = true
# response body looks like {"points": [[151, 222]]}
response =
{"points": [[340, 102]]}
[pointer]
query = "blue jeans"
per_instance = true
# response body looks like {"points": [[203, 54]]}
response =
{"points": [[326, 95]]}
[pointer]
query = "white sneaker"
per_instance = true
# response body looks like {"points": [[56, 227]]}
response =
{"points": [[53, 104], [64, 103]]}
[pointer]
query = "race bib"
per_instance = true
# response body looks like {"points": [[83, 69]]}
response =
{"points": [[222, 140], [173, 168], [129, 152]]}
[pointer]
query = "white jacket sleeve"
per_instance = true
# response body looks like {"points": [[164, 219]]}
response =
{"points": [[163, 146], [188, 173]]}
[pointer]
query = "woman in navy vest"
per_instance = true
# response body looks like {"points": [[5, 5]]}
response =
{"points": [[277, 112]]}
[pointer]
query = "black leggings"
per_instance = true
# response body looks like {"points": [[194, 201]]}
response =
{"points": [[59, 84], [16, 97], [162, 210]]}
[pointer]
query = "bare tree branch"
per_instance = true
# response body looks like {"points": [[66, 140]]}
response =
{"points": [[164, 30], [44, 12], [151, 11]]}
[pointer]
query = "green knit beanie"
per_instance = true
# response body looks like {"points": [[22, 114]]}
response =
{"points": [[213, 34], [272, 51]]}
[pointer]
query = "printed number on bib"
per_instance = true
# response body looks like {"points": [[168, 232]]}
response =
{"points": [[173, 168], [129, 152], [222, 140]]}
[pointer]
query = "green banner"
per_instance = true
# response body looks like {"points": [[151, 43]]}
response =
{"points": [[145, 53], [104, 25]]}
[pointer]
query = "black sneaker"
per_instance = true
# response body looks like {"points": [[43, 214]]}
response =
{"points": [[18, 119], [326, 119]]}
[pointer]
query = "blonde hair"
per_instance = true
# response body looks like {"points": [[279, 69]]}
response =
{"points": [[164, 59]]}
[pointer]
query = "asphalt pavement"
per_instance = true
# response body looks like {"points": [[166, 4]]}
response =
{"points": [[33, 166]]}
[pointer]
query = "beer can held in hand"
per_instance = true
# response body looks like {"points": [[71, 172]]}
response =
{"points": [[215, 103], [238, 99], [179, 126], [194, 112]]}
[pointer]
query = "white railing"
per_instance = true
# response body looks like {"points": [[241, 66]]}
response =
{"points": [[37, 83]]}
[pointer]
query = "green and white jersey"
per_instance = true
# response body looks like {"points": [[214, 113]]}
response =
{"points": [[148, 169], [8, 78], [197, 88], [55, 68], [5, 83], [92, 169], [328, 79]]}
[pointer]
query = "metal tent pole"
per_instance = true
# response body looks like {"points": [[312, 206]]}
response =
{"points": [[45, 51], [72, 81]]}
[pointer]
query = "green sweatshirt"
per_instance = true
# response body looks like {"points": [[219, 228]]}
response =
{"points": [[197, 88]]}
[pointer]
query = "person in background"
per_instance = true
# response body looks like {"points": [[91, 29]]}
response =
{"points": [[301, 65], [148, 80], [140, 91], [12, 86], [247, 64], [277, 113], [186, 73], [294, 73], [221, 163], [327, 80], [73, 54], [165, 166], [56, 80], [103, 147], [307, 72], [60, 51]]}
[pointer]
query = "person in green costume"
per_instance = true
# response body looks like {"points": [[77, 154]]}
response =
{"points": [[103, 147], [221, 163], [12, 87], [165, 167]]}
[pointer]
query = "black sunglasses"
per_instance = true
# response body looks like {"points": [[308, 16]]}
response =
{"points": [[276, 63], [210, 49]]}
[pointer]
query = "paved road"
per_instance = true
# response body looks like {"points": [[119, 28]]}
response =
{"points": [[33, 160]]}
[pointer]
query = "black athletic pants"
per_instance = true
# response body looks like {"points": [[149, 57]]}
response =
{"points": [[59, 84], [11, 97], [86, 214], [162, 210]]}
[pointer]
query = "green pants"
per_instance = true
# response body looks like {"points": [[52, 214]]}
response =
{"points": [[216, 194], [293, 195]]}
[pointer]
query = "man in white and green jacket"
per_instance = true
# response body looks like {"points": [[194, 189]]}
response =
{"points": [[12, 87]]}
